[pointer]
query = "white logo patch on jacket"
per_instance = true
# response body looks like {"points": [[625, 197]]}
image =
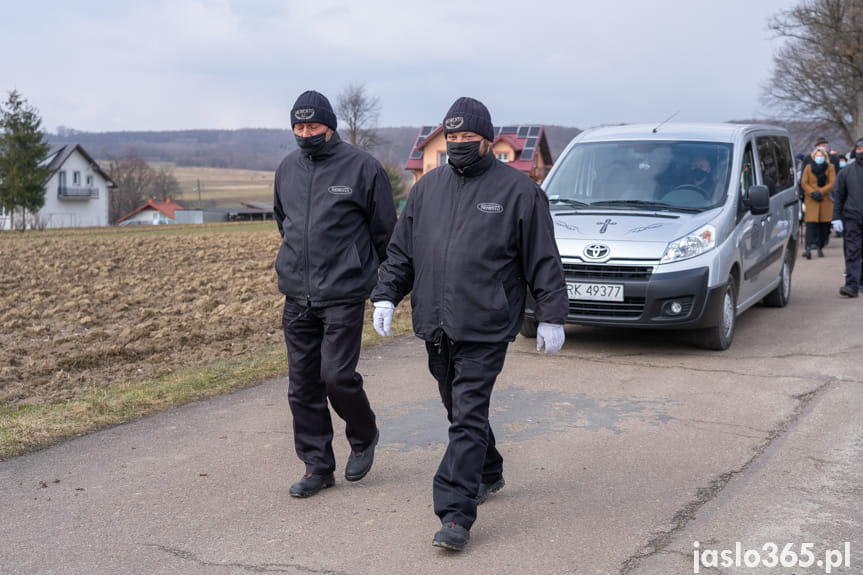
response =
{"points": [[340, 190], [490, 208]]}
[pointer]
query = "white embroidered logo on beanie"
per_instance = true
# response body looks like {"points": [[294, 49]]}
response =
{"points": [[304, 113], [454, 123]]}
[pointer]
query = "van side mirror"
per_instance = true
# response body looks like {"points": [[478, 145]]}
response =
{"points": [[759, 200]]}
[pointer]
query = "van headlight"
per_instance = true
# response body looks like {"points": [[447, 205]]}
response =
{"points": [[695, 244]]}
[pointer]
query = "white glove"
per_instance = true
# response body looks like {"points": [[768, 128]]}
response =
{"points": [[551, 335], [383, 317], [837, 226]]}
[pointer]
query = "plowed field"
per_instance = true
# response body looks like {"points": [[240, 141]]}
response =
{"points": [[82, 309]]}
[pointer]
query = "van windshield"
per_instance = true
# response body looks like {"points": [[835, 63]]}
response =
{"points": [[658, 174]]}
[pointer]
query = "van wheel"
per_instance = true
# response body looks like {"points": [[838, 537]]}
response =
{"points": [[719, 337], [779, 297], [528, 327]]}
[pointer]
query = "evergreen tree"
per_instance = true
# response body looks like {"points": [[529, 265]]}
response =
{"points": [[398, 184], [23, 151]]}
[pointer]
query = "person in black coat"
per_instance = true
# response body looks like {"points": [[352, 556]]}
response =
{"points": [[474, 235], [334, 208], [848, 219]]}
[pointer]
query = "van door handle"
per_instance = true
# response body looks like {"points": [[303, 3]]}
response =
{"points": [[765, 219]]}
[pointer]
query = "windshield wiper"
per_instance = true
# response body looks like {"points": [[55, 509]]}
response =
{"points": [[646, 204], [567, 201]]}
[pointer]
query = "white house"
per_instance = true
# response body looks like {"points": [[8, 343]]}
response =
{"points": [[76, 193], [153, 212]]}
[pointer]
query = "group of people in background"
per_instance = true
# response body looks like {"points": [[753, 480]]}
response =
{"points": [[831, 188]]}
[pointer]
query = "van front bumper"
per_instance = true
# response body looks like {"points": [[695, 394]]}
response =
{"points": [[673, 300]]}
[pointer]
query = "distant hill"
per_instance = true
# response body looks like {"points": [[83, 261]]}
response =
{"points": [[247, 149], [263, 149]]}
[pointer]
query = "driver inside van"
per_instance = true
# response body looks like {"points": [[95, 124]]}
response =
{"points": [[700, 169]]}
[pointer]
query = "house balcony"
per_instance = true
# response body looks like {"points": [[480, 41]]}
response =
{"points": [[77, 193]]}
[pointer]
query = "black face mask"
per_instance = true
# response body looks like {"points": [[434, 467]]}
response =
{"points": [[699, 174], [313, 144], [463, 154]]}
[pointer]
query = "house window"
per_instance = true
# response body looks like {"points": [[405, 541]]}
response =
{"points": [[502, 156], [76, 178], [90, 180], [441, 158]]}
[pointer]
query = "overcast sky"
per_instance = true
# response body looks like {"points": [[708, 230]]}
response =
{"points": [[109, 65]]}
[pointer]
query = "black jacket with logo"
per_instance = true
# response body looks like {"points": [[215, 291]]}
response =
{"points": [[848, 193], [335, 214], [466, 245]]}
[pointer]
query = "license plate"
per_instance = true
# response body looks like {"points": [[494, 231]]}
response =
{"points": [[596, 292]]}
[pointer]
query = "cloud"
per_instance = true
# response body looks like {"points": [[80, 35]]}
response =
{"points": [[101, 65]]}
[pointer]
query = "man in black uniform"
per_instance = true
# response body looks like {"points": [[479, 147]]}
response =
{"points": [[472, 234], [334, 207], [848, 218]]}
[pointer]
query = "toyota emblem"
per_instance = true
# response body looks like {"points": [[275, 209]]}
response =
{"points": [[596, 252]]}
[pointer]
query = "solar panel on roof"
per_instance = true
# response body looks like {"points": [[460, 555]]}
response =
{"points": [[497, 131], [509, 130], [522, 131], [426, 131], [531, 143], [416, 154], [527, 155], [534, 131]]}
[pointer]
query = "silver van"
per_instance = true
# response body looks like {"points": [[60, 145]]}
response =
{"points": [[681, 226]]}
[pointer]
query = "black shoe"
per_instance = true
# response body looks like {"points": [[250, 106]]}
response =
{"points": [[820, 253], [311, 484], [807, 254], [359, 462], [847, 292], [486, 489], [451, 536]]}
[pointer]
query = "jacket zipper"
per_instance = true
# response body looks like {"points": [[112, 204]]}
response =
{"points": [[458, 195], [306, 251]]}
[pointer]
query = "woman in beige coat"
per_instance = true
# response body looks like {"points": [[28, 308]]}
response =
{"points": [[817, 182]]}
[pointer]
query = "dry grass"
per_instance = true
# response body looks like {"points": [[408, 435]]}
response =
{"points": [[222, 187]]}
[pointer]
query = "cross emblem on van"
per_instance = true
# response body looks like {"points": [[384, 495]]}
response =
{"points": [[605, 225]]}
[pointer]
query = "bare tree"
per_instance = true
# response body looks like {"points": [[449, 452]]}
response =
{"points": [[136, 182], [360, 114], [165, 184], [818, 73], [134, 179]]}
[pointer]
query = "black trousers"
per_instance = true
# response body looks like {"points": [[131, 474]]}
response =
{"points": [[817, 234], [853, 239], [465, 373], [323, 350]]}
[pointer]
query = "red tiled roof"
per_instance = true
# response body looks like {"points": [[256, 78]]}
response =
{"points": [[168, 207]]}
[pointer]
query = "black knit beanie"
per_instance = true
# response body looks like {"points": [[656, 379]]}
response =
{"points": [[313, 107], [468, 115]]}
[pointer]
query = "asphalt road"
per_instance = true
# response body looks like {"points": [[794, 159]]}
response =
{"points": [[626, 454]]}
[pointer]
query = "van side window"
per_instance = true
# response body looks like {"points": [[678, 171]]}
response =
{"points": [[777, 167], [747, 173]]}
